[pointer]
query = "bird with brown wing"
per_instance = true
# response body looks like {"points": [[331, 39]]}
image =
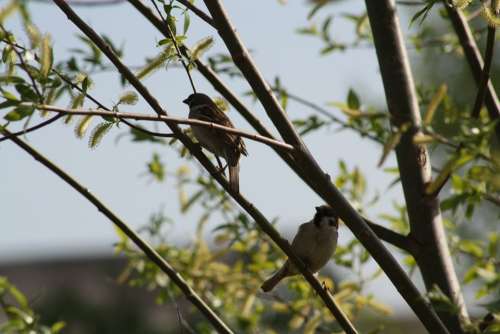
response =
{"points": [[222, 144]]}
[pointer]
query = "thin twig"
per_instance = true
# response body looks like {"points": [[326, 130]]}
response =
{"points": [[168, 119], [394, 238], [195, 150], [150, 252], [329, 115], [485, 74], [33, 128], [151, 133], [176, 46]]}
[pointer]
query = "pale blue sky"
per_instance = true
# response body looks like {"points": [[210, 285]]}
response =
{"points": [[44, 217]]}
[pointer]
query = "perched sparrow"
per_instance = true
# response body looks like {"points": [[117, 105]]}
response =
{"points": [[223, 144], [314, 244]]}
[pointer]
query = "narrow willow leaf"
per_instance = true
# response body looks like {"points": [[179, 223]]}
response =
{"points": [[68, 119], [83, 125], [188, 203], [19, 297], [201, 46], [346, 110], [446, 171], [7, 10], [98, 133], [34, 35], [489, 15], [221, 103], [420, 138], [392, 142], [434, 103], [422, 14], [461, 4], [187, 22], [46, 58], [155, 63], [353, 100], [77, 101], [129, 98]]}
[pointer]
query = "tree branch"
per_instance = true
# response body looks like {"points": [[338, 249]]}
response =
{"points": [[485, 73], [316, 178], [170, 120], [195, 150], [473, 56], [33, 128], [138, 241], [433, 256], [201, 14], [394, 238]]}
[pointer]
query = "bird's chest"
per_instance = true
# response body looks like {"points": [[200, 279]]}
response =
{"points": [[321, 250]]}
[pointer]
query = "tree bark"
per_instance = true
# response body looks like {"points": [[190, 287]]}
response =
{"points": [[432, 256]]}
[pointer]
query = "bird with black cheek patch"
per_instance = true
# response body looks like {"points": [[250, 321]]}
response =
{"points": [[222, 144], [314, 244]]}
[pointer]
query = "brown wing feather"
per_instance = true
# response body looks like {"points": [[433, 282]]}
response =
{"points": [[211, 113]]}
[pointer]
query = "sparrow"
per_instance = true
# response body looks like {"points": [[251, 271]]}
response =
{"points": [[222, 144], [314, 244]]}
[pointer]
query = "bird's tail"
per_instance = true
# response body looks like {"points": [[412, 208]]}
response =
{"points": [[234, 177], [272, 281]]}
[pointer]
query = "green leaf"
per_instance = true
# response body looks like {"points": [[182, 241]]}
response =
{"points": [[9, 103], [155, 168], [353, 100], [450, 166], [316, 8], [392, 142], [493, 306], [452, 202], [422, 14], [187, 22], [77, 101], [19, 113], [129, 98], [46, 57], [201, 47], [434, 103], [9, 96], [139, 136], [440, 301], [27, 93], [187, 204], [471, 247], [155, 63], [19, 297], [83, 125], [57, 327], [98, 133]]}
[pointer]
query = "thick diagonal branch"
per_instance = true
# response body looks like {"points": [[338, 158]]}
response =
{"points": [[474, 59], [316, 178], [433, 256], [165, 267]]}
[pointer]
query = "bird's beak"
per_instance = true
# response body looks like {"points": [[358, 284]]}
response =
{"points": [[185, 101]]}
